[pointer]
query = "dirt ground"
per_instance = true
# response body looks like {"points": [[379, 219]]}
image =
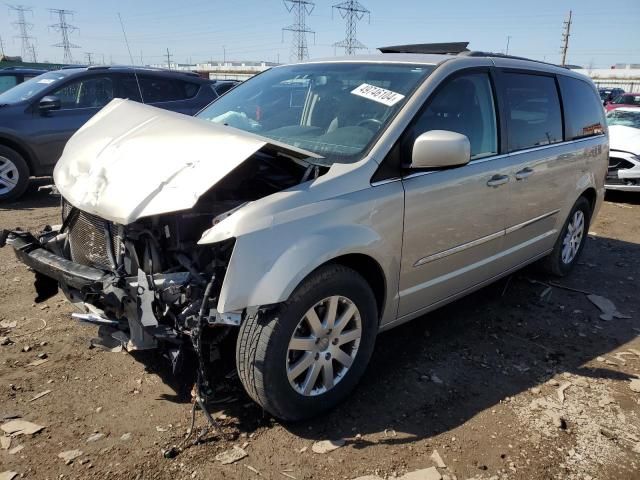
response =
{"points": [[517, 381]]}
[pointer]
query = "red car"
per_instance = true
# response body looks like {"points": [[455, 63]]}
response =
{"points": [[624, 100]]}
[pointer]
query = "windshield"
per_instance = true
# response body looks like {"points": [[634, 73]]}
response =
{"points": [[32, 87], [333, 109], [627, 100], [622, 117]]}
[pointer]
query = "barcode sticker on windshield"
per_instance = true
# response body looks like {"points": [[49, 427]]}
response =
{"points": [[378, 94]]}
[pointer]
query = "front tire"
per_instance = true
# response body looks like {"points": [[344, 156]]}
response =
{"points": [[571, 241], [308, 354], [14, 174]]}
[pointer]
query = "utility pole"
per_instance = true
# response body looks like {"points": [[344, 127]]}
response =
{"points": [[565, 39], [24, 28], [33, 53], [224, 55], [508, 40], [168, 59], [88, 57], [64, 28], [300, 9], [1, 47], [353, 11]]}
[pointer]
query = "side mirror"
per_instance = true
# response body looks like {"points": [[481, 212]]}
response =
{"points": [[49, 103], [440, 149]]}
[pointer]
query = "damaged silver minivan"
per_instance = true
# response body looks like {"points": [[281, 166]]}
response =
{"points": [[318, 204]]}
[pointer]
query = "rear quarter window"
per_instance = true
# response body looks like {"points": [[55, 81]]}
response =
{"points": [[190, 89], [533, 113], [583, 111]]}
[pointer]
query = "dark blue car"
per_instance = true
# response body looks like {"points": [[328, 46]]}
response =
{"points": [[37, 117]]}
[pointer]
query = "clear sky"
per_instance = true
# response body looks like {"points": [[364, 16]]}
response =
{"points": [[603, 33]]}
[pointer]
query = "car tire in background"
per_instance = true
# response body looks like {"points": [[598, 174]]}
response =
{"points": [[308, 353], [14, 174], [571, 241]]}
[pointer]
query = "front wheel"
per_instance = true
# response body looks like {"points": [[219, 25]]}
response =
{"points": [[309, 353], [571, 241]]}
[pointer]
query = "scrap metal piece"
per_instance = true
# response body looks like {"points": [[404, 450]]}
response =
{"points": [[94, 319], [145, 301]]}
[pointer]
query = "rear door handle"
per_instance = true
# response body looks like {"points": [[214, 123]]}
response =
{"points": [[524, 173], [497, 180]]}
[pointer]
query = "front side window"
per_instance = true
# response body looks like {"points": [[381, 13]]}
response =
{"points": [[533, 110], [336, 110], [582, 108], [464, 105], [94, 92]]}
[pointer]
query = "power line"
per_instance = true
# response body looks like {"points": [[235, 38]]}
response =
{"points": [[24, 27], [353, 11], [64, 28], [565, 39], [300, 9]]}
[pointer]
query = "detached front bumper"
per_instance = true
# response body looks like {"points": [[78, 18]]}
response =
{"points": [[31, 252]]}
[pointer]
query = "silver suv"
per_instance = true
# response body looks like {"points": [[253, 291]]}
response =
{"points": [[316, 205]]}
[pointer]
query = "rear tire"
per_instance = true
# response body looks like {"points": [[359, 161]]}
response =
{"points": [[274, 347], [571, 241], [14, 174]]}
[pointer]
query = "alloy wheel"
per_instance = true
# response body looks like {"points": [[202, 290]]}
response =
{"points": [[573, 238], [9, 175], [323, 346]]}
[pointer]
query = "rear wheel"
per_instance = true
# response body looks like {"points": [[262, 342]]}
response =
{"points": [[14, 174], [571, 241], [308, 354]]}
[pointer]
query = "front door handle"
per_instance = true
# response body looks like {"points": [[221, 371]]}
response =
{"points": [[524, 173], [497, 180]]}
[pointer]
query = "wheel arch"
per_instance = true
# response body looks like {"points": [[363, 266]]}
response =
{"points": [[20, 149], [591, 195], [370, 270]]}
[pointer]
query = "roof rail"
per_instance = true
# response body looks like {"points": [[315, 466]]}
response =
{"points": [[502, 55], [451, 48]]}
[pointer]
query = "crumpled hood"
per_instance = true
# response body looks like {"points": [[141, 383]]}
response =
{"points": [[626, 139], [133, 160]]}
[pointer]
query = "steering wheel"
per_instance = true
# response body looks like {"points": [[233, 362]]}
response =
{"points": [[370, 123]]}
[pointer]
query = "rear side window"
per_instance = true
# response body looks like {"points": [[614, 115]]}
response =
{"points": [[582, 108], [156, 89], [533, 111]]}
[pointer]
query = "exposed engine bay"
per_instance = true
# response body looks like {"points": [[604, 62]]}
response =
{"points": [[150, 280]]}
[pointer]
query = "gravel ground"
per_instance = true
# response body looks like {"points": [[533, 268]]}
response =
{"points": [[518, 380]]}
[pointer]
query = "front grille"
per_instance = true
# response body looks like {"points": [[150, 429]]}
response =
{"points": [[90, 238]]}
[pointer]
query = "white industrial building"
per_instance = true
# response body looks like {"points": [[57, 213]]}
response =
{"points": [[227, 70], [625, 76]]}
